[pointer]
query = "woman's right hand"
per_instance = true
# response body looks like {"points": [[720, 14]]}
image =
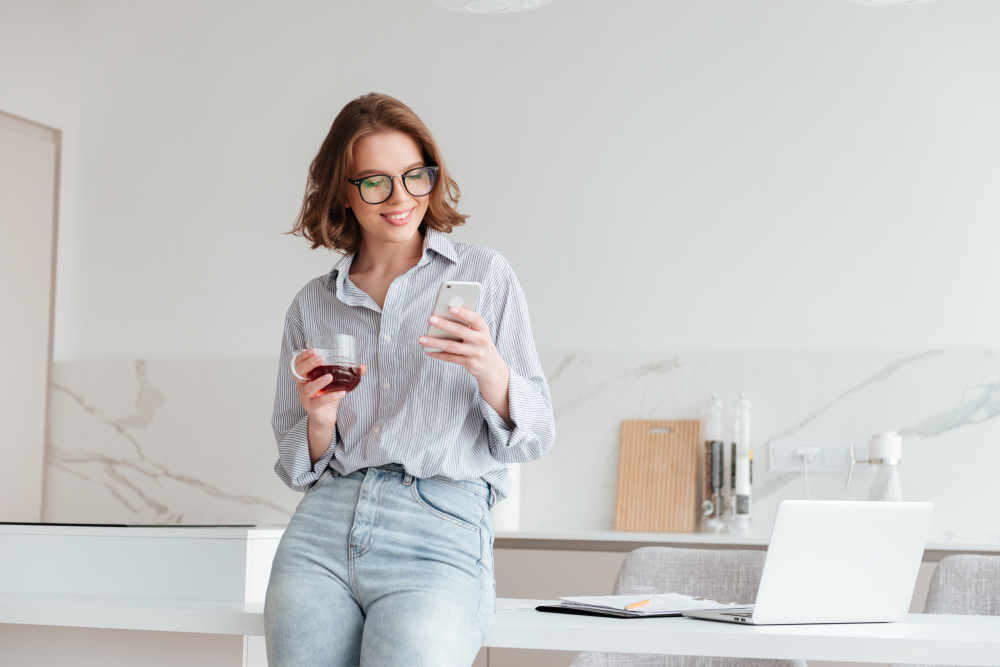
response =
{"points": [[322, 408]]}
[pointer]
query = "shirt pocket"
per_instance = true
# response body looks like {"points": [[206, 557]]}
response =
{"points": [[444, 396]]}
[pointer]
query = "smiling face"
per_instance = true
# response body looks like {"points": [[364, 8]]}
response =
{"points": [[396, 219]]}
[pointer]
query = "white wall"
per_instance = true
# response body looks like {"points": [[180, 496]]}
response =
{"points": [[39, 81], [684, 174]]}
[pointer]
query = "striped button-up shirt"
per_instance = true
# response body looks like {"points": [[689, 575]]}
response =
{"points": [[410, 408]]}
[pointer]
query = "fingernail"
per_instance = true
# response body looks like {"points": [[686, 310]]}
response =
{"points": [[453, 311], [434, 320], [422, 340]]}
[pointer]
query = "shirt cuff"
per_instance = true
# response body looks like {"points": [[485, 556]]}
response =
{"points": [[296, 445], [503, 434]]}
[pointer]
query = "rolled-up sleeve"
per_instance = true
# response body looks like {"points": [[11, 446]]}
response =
{"points": [[290, 421], [528, 393]]}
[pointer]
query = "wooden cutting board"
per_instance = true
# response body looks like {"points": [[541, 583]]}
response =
{"points": [[657, 476]]}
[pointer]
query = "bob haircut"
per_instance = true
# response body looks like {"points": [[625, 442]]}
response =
{"points": [[324, 220]]}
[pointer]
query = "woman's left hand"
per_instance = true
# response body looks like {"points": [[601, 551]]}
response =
{"points": [[475, 352]]}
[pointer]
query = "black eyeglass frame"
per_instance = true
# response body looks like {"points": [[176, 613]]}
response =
{"points": [[392, 184]]}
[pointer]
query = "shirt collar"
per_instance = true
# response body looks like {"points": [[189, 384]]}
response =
{"points": [[340, 270], [439, 243], [433, 240]]}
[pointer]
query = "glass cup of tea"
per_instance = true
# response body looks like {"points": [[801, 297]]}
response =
{"points": [[340, 359]]}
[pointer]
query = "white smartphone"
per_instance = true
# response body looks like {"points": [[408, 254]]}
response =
{"points": [[457, 294]]}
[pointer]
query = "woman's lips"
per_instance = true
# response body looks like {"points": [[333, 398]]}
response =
{"points": [[398, 222]]}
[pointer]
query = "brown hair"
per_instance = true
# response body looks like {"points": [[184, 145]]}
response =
{"points": [[324, 220]]}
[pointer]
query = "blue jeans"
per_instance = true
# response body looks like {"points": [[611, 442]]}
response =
{"points": [[380, 568]]}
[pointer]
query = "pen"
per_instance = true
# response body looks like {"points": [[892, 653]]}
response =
{"points": [[630, 607]]}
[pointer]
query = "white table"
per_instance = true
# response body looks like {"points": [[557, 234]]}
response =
{"points": [[75, 587], [922, 639]]}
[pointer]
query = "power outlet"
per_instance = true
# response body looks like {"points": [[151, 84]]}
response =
{"points": [[830, 456]]}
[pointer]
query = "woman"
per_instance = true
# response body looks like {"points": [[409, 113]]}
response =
{"points": [[388, 559]]}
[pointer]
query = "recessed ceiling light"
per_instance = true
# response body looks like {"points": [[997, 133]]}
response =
{"points": [[491, 6]]}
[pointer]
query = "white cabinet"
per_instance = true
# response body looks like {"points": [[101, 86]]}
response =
{"points": [[105, 595]]}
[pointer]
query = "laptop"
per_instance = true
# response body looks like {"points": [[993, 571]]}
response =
{"points": [[837, 562]]}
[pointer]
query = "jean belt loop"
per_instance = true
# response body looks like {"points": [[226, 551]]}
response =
{"points": [[407, 478]]}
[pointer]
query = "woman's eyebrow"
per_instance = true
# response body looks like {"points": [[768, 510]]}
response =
{"points": [[369, 172]]}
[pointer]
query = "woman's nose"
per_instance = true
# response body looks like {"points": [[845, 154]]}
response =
{"points": [[399, 192]]}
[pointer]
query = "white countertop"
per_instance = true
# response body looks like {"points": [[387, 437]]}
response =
{"points": [[570, 540], [926, 639], [221, 618], [616, 540], [631, 536], [187, 532], [275, 531]]}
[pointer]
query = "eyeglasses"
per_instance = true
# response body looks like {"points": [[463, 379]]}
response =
{"points": [[378, 188]]}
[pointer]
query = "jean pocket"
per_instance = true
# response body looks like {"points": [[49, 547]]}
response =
{"points": [[449, 502], [328, 473]]}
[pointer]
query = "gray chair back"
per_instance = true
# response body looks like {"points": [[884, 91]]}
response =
{"points": [[720, 574], [964, 585]]}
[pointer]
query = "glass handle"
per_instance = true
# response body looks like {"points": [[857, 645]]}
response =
{"points": [[291, 365]]}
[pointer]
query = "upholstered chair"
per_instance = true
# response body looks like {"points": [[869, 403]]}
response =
{"points": [[965, 585]]}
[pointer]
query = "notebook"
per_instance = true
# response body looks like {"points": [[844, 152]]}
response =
{"points": [[661, 604]]}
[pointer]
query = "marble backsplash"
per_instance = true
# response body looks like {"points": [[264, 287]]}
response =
{"points": [[163, 442], [187, 441], [945, 404]]}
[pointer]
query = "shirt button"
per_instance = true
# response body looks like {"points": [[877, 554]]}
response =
{"points": [[387, 385], [387, 338], [377, 429]]}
